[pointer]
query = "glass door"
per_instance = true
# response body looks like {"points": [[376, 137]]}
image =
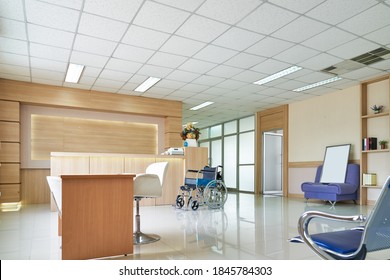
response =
{"points": [[273, 162]]}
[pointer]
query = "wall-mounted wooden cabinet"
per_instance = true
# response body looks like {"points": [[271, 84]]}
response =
{"points": [[374, 125], [9, 151]]}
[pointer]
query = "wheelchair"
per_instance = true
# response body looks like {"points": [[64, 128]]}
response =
{"points": [[201, 187]]}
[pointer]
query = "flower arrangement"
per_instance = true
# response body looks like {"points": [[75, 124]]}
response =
{"points": [[377, 109], [190, 132]]}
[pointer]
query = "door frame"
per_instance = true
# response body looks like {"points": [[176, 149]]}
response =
{"points": [[271, 119]]}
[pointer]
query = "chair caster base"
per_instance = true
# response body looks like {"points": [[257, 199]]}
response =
{"points": [[140, 238]]}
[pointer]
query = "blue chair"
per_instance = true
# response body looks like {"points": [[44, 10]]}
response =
{"points": [[351, 243]]}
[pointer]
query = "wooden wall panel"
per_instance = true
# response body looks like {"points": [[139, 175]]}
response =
{"points": [[9, 111], [10, 173], [88, 135], [106, 165], [10, 132], [9, 152], [35, 189], [9, 193]]}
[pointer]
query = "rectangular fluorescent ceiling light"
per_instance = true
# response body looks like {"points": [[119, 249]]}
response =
{"points": [[278, 75], [74, 72], [201, 105], [147, 84], [321, 83]]}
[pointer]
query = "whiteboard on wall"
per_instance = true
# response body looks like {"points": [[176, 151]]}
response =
{"points": [[334, 169]]}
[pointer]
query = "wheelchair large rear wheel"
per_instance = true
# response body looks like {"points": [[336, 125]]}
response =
{"points": [[215, 194]]}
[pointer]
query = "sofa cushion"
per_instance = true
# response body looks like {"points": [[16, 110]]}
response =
{"points": [[337, 188]]}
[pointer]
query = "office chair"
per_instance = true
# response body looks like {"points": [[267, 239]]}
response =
{"points": [[148, 185], [351, 243]]}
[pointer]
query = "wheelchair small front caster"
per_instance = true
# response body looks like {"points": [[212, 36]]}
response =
{"points": [[179, 201], [194, 205]]}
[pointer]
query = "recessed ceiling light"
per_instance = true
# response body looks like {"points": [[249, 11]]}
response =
{"points": [[207, 103], [74, 72], [320, 83], [147, 84], [278, 75]]}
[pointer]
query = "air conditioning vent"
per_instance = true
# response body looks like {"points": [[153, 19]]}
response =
{"points": [[372, 56]]}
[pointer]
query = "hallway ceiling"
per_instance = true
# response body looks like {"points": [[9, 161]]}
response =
{"points": [[203, 50]]}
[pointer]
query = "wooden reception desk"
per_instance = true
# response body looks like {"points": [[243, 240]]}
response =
{"points": [[97, 216]]}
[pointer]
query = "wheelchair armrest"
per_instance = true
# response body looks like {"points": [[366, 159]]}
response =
{"points": [[193, 170], [303, 227]]}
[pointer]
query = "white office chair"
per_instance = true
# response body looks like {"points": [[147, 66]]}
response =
{"points": [[55, 185], [148, 185]]}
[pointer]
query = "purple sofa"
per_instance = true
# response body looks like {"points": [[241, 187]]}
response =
{"points": [[334, 192]]}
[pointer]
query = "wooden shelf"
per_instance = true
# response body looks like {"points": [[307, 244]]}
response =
{"points": [[376, 151], [375, 115]]}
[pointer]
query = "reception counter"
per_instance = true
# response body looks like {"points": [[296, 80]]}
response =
{"points": [[105, 163]]}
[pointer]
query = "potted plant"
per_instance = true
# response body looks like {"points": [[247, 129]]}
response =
{"points": [[377, 108], [383, 144]]}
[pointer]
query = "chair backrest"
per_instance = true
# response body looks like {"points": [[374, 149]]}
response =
{"points": [[159, 169], [209, 173], [55, 185], [352, 176], [377, 229]]}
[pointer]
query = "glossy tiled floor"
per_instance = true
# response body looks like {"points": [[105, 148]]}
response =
{"points": [[249, 227]]}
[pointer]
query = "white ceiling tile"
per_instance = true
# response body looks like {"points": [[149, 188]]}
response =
{"points": [[14, 70], [244, 60], [269, 47], [381, 36], [13, 46], [52, 82], [115, 75], [320, 61], [123, 65], [167, 60], [91, 72], [94, 45], [182, 46], [86, 81], [48, 15], [296, 54], [14, 59], [52, 65], [266, 19], [49, 36], [13, 29], [224, 71], [160, 17], [229, 11], [122, 10], [368, 21], [144, 37], [12, 9], [299, 6], [353, 48], [208, 80], [132, 53], [154, 71], [363, 73], [215, 54], [270, 66], [113, 84], [201, 29], [197, 66], [182, 76], [329, 39], [300, 30], [185, 5], [165, 83], [249, 76], [238, 39], [74, 4], [87, 59], [44, 74], [382, 65], [334, 11], [100, 27], [14, 77], [49, 52], [231, 84], [313, 78], [194, 87]]}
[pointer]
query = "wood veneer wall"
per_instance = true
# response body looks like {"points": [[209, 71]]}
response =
{"points": [[33, 180]]}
